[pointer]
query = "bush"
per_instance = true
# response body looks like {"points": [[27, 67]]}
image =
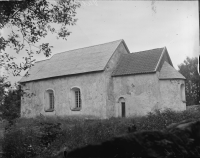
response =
{"points": [[28, 140], [20, 143], [160, 120]]}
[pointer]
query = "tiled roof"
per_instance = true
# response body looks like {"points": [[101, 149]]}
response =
{"points": [[76, 61], [139, 62], [168, 72]]}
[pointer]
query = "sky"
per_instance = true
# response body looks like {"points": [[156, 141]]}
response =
{"points": [[142, 25]]}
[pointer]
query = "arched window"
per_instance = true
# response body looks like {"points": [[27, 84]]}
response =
{"points": [[49, 100], [122, 106], [182, 92], [76, 100]]}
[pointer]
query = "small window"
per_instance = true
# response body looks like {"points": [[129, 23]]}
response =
{"points": [[77, 102], [182, 93], [78, 98], [49, 101], [122, 107]]}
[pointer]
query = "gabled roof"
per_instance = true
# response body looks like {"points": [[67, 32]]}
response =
{"points": [[139, 62], [168, 72], [88, 59]]}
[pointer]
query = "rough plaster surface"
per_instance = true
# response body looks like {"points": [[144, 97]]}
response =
{"points": [[110, 108], [171, 94], [93, 95], [96, 92], [101, 94], [141, 94], [145, 93]]}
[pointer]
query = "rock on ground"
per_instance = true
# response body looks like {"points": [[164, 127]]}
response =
{"points": [[179, 140]]}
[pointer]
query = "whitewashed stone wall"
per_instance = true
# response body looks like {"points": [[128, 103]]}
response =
{"points": [[140, 92], [93, 95], [172, 95]]}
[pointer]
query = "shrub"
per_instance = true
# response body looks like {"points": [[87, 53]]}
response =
{"points": [[19, 143], [160, 120], [28, 140]]}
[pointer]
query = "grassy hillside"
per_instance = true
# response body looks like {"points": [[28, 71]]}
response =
{"points": [[45, 136]]}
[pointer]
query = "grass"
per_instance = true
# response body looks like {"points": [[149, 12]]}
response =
{"points": [[47, 135]]}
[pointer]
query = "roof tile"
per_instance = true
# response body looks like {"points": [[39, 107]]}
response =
{"points": [[88, 59], [168, 72], [139, 62]]}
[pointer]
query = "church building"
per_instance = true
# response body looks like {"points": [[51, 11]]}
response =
{"points": [[104, 81]]}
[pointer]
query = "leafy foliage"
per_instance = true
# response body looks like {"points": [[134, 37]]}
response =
{"points": [[20, 144], [30, 140], [160, 120], [49, 132], [189, 69], [10, 103], [29, 21], [3, 85]]}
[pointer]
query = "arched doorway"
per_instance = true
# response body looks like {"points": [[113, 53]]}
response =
{"points": [[122, 107]]}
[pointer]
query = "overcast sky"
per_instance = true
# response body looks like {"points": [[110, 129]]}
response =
{"points": [[141, 24]]}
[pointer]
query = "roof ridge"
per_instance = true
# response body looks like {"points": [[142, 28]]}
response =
{"points": [[78, 48], [41, 60], [163, 51], [88, 46], [74, 63], [149, 50]]}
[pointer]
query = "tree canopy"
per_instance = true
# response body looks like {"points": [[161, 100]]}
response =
{"points": [[30, 21], [189, 69]]}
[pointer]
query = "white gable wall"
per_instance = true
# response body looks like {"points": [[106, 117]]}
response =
{"points": [[110, 99]]}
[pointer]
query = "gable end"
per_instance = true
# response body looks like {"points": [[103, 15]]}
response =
{"points": [[114, 54], [164, 57]]}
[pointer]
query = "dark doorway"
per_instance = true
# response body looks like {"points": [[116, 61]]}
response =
{"points": [[123, 109]]}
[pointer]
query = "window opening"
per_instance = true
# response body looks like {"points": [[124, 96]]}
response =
{"points": [[182, 92], [76, 103], [78, 98], [50, 101], [123, 109]]}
